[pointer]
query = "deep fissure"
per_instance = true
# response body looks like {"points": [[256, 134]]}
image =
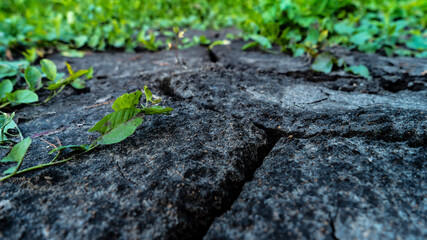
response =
{"points": [[273, 136]]}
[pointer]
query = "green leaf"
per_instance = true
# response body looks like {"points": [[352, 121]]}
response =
{"points": [[78, 83], [218, 42], [417, 43], [22, 96], [77, 74], [360, 70], [156, 101], [69, 68], [148, 94], [6, 86], [249, 45], [344, 28], [157, 110], [17, 155], [49, 68], [6, 123], [32, 77], [89, 74], [30, 54], [73, 53], [360, 38], [80, 41], [80, 148], [58, 84], [323, 63], [114, 120], [127, 100], [10, 170], [263, 41], [203, 40], [7, 71], [312, 36], [121, 132]]}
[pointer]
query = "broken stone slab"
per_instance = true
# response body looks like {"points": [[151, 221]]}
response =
{"points": [[179, 172], [168, 180], [394, 73], [332, 188], [301, 108]]}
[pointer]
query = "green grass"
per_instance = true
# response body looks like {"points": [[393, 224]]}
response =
{"points": [[390, 27]]}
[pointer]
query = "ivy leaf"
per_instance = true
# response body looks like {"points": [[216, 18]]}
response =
{"points": [[127, 100], [323, 63], [360, 70], [157, 110], [6, 86], [17, 155], [80, 148], [22, 96], [49, 68], [148, 94], [114, 120], [32, 77]]}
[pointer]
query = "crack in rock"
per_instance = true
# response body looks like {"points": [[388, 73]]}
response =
{"points": [[273, 136], [332, 225]]}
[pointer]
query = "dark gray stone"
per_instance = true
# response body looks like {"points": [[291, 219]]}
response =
{"points": [[351, 162], [332, 188], [166, 181]]}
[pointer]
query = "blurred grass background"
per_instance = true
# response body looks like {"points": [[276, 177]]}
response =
{"points": [[389, 27]]}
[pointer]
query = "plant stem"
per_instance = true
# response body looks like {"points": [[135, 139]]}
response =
{"points": [[4, 104], [54, 94], [92, 146], [36, 167], [56, 157]]}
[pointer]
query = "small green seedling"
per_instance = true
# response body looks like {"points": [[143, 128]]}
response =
{"points": [[126, 117], [56, 84], [324, 62], [33, 77], [114, 127]]}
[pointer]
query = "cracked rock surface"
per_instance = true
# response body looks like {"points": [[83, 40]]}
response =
{"points": [[258, 147]]}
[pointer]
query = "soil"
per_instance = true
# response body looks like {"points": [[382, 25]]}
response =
{"points": [[258, 147]]}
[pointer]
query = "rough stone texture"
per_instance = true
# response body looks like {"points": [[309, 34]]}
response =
{"points": [[331, 188], [348, 158], [167, 181]]}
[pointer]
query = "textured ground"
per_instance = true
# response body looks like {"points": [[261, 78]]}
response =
{"points": [[258, 147]]}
